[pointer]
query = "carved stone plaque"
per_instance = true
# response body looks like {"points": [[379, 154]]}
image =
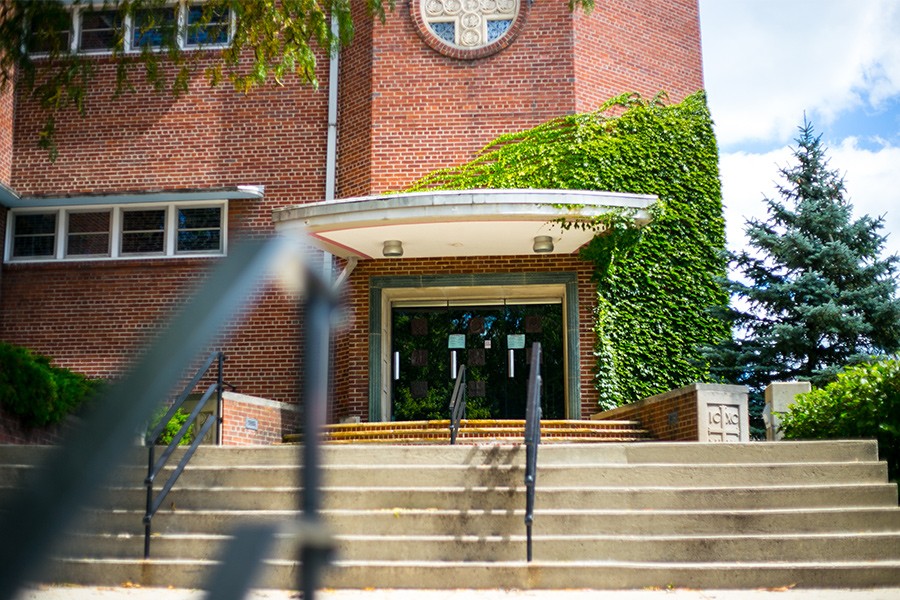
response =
{"points": [[723, 423]]}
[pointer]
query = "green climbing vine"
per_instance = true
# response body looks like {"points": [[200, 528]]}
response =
{"points": [[657, 286]]}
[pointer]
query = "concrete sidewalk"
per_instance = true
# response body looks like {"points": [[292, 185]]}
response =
{"points": [[134, 593]]}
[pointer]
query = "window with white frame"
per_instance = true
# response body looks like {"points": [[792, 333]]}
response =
{"points": [[98, 30], [117, 232], [93, 29], [207, 26], [33, 235], [55, 34], [153, 28], [88, 233]]}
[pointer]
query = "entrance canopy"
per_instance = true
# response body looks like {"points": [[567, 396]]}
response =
{"points": [[457, 223]]}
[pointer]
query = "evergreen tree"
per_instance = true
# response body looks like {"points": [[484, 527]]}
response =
{"points": [[813, 293]]}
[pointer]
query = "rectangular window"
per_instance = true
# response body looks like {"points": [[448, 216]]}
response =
{"points": [[100, 30], [144, 231], [207, 25], [199, 229], [109, 232], [87, 233], [153, 28], [34, 235], [54, 35]]}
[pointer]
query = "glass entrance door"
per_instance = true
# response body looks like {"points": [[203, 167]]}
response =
{"points": [[429, 344]]}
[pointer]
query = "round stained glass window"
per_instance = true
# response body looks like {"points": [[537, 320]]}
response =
{"points": [[468, 28]]}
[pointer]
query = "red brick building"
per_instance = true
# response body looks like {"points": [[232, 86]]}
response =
{"points": [[150, 190]]}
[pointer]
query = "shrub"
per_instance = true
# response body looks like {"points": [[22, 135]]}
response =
{"points": [[864, 402], [172, 427], [37, 392]]}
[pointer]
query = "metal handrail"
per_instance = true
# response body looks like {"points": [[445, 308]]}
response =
{"points": [[154, 467], [457, 403], [532, 439]]}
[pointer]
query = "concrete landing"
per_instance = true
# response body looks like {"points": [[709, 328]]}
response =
{"points": [[106, 593]]}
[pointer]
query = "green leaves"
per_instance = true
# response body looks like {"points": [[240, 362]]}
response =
{"points": [[36, 391], [660, 292], [862, 402]]}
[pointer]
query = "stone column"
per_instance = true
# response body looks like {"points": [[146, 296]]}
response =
{"points": [[779, 395]]}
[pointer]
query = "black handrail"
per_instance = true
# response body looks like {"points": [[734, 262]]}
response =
{"points": [[532, 439], [154, 467], [458, 403]]}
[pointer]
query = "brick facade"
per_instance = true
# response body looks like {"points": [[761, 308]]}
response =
{"points": [[404, 110], [6, 136], [644, 47]]}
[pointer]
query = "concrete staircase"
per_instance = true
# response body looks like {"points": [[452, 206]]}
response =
{"points": [[608, 516]]}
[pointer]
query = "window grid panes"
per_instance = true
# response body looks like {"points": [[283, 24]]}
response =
{"points": [[108, 232], [212, 28], [199, 229], [58, 38], [153, 28], [88, 233], [99, 30], [445, 31], [144, 231], [34, 235]]}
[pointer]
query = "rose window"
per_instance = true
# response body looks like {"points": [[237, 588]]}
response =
{"points": [[469, 24]]}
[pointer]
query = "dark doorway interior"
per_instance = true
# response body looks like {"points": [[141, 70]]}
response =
{"points": [[493, 341]]}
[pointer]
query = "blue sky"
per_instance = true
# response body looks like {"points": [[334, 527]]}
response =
{"points": [[769, 62]]}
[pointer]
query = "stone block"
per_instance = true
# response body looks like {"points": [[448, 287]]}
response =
{"points": [[780, 395]]}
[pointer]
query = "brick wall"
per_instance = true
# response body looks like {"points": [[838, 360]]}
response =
{"points": [[354, 167], [699, 412], [13, 431], [673, 418], [351, 378], [646, 47], [433, 111], [91, 316], [271, 420], [7, 102]]}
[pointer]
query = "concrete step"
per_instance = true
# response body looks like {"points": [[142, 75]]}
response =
{"points": [[499, 575], [512, 497], [395, 521], [493, 548], [626, 453], [597, 475]]}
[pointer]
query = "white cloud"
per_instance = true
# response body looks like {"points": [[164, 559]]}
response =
{"points": [[871, 177], [768, 61]]}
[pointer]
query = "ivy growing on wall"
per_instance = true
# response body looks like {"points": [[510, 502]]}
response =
{"points": [[658, 287]]}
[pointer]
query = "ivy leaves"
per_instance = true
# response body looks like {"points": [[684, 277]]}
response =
{"points": [[659, 287]]}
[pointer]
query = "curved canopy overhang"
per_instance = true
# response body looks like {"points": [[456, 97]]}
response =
{"points": [[458, 223]]}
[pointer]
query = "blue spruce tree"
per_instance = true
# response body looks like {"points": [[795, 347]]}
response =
{"points": [[813, 293]]}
